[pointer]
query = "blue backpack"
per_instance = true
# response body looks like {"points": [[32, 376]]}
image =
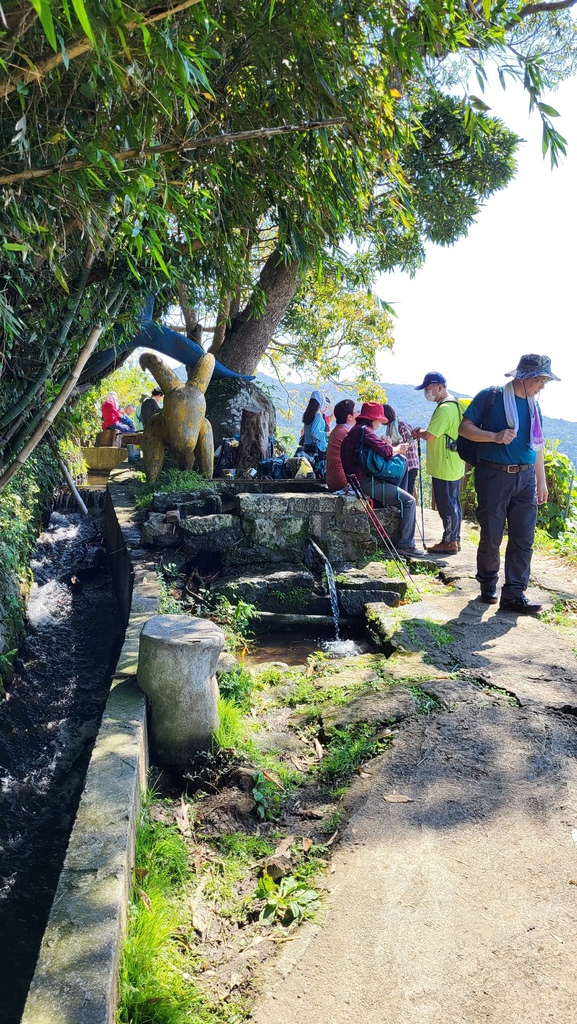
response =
{"points": [[389, 470]]}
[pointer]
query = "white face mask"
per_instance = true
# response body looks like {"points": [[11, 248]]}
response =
{"points": [[429, 396]]}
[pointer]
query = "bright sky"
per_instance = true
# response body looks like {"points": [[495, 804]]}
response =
{"points": [[510, 287]]}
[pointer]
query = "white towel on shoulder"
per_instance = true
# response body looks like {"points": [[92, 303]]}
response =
{"points": [[536, 439]]}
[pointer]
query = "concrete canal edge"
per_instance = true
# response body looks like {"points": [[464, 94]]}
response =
{"points": [[76, 976]]}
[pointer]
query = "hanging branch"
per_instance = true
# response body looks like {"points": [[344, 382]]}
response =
{"points": [[55, 408], [171, 147], [79, 46]]}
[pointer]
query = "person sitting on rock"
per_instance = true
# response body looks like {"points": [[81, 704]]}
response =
{"points": [[315, 428], [382, 492], [113, 417], [345, 419], [129, 414]]}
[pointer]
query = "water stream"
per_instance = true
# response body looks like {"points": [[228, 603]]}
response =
{"points": [[48, 723]]}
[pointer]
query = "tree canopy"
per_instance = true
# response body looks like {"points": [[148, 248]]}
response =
{"points": [[217, 153]]}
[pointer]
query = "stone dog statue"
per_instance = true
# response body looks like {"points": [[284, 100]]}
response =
{"points": [[181, 423]]}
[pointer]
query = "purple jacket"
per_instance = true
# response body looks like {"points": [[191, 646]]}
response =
{"points": [[351, 443]]}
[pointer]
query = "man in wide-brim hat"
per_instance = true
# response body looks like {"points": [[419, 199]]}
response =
{"points": [[505, 424]]}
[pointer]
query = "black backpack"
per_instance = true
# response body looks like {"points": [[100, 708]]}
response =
{"points": [[467, 449]]}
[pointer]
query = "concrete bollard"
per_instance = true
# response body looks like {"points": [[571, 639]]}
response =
{"points": [[176, 669]]}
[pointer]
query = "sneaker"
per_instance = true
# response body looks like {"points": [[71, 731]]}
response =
{"points": [[488, 596], [411, 552], [520, 604], [444, 547]]}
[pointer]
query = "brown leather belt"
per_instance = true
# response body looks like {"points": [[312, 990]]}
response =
{"points": [[507, 469]]}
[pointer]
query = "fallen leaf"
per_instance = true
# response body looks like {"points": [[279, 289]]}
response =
{"points": [[144, 897], [200, 918], [332, 839], [182, 819], [284, 847], [318, 749], [235, 980], [573, 881], [141, 873], [398, 798], [299, 763], [272, 778], [307, 843], [363, 774]]}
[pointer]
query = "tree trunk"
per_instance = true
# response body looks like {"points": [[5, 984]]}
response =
{"points": [[253, 444], [221, 321], [251, 332]]}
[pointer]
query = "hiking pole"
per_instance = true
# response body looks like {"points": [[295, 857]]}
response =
{"points": [[421, 492], [380, 529]]}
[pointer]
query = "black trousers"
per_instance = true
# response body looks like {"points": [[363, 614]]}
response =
{"points": [[505, 499]]}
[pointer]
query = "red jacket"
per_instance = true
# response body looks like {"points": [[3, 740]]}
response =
{"points": [[351, 443], [110, 415], [336, 477]]}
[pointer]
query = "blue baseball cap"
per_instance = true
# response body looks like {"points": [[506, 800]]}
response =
{"points": [[432, 378]]}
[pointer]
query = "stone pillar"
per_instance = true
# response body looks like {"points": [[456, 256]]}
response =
{"points": [[176, 669]]}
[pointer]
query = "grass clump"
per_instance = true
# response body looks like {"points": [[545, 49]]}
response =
{"points": [[348, 749], [154, 984], [170, 481], [236, 686]]}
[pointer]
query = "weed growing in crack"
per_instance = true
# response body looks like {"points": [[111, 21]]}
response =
{"points": [[347, 750], [424, 702]]}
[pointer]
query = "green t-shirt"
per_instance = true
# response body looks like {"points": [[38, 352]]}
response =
{"points": [[442, 463]]}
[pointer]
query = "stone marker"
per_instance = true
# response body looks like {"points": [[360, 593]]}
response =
{"points": [[177, 669]]}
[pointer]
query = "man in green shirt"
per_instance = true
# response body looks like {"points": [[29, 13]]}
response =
{"points": [[443, 463]]}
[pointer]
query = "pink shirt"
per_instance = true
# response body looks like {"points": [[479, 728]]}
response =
{"points": [[336, 479]]}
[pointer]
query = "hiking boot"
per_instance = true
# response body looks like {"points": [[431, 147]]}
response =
{"points": [[488, 596], [411, 552], [521, 605], [444, 547]]}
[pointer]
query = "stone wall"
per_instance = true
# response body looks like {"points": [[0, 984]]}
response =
{"points": [[266, 528]]}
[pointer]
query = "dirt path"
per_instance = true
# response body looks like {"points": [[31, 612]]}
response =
{"points": [[459, 905]]}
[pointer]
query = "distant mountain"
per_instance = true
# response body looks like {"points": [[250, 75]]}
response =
{"points": [[291, 401]]}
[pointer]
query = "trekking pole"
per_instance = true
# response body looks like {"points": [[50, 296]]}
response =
{"points": [[421, 492], [380, 529]]}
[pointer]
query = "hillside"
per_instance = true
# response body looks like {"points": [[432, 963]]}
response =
{"points": [[408, 403]]}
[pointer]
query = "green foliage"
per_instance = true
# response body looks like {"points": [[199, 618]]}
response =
{"points": [[23, 504], [230, 733], [348, 748], [167, 605], [286, 901], [336, 329], [155, 986], [267, 797], [236, 686], [170, 481], [559, 513], [235, 619]]}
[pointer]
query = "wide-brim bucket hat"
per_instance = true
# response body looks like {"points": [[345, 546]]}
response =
{"points": [[532, 365], [372, 411]]}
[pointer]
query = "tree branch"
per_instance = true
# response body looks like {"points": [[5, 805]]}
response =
{"points": [[80, 46], [529, 9], [171, 147]]}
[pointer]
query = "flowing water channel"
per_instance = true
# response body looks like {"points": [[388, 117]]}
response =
{"points": [[48, 723]]}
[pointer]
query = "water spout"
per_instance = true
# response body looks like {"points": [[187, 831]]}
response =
{"points": [[331, 583]]}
